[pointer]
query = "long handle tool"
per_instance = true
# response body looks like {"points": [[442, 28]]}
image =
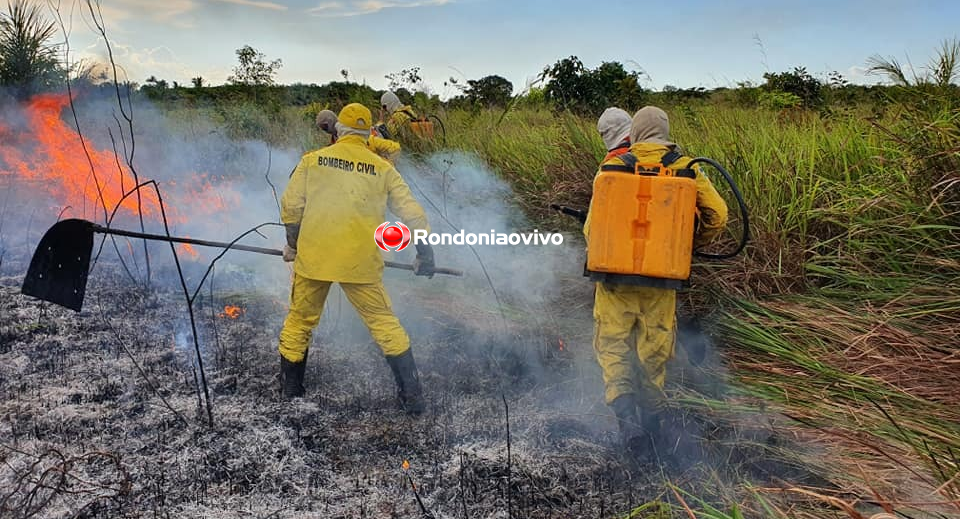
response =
{"points": [[60, 265]]}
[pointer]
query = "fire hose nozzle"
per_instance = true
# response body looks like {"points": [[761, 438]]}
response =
{"points": [[579, 214]]}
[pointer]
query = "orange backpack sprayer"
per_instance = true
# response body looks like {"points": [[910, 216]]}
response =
{"points": [[643, 220], [422, 127]]}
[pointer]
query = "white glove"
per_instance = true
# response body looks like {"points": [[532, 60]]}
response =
{"points": [[289, 253]]}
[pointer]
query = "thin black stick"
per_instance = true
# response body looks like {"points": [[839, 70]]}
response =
{"points": [[269, 183], [224, 251], [128, 117], [483, 268], [186, 295], [143, 374], [86, 150], [108, 215], [463, 493], [506, 411], [423, 509], [213, 324]]}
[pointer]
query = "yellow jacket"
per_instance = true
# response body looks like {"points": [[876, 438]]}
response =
{"points": [[400, 119], [339, 196], [386, 148], [710, 205]]}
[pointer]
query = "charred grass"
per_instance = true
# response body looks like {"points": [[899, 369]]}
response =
{"points": [[102, 417]]}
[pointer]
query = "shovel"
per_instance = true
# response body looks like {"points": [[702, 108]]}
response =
{"points": [[60, 265]]}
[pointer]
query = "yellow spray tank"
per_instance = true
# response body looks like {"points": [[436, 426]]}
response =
{"points": [[642, 222]]}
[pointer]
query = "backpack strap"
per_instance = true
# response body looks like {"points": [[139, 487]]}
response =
{"points": [[628, 166], [672, 156]]}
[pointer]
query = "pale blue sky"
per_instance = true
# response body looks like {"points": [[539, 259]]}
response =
{"points": [[684, 43]]}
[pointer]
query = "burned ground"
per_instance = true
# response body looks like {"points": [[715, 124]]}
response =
{"points": [[102, 418]]}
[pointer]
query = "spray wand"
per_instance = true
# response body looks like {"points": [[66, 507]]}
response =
{"points": [[579, 214]]}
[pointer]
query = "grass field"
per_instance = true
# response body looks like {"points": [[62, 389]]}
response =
{"points": [[841, 321], [843, 315], [845, 311]]}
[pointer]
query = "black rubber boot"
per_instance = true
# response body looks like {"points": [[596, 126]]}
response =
{"points": [[408, 382], [632, 435], [291, 377]]}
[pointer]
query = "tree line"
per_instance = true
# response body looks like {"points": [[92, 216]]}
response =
{"points": [[30, 63]]}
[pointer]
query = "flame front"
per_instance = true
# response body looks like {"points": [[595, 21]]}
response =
{"points": [[46, 153], [51, 155], [231, 312]]}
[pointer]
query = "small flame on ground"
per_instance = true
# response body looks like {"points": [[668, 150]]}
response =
{"points": [[189, 250], [560, 341], [406, 465], [232, 312]]}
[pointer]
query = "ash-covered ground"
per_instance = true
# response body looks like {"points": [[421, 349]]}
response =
{"points": [[102, 414]]}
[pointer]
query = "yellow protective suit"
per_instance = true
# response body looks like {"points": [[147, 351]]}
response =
{"points": [[327, 120], [399, 121], [637, 363], [339, 196], [386, 148], [307, 297]]}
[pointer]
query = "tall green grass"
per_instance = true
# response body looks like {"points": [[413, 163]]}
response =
{"points": [[845, 311]]}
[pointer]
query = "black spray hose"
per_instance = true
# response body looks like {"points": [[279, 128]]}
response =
{"points": [[744, 217], [443, 129]]}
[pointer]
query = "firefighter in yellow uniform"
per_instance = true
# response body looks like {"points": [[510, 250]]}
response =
{"points": [[634, 324], [336, 199], [327, 122], [399, 116]]}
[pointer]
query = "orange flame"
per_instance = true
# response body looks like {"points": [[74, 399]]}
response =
{"points": [[51, 154], [406, 465], [232, 312], [189, 250], [560, 340]]}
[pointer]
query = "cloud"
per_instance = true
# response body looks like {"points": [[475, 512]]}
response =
{"points": [[255, 3], [339, 9], [137, 64], [173, 12], [861, 75]]}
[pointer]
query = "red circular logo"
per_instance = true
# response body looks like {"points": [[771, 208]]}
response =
{"points": [[392, 237]]}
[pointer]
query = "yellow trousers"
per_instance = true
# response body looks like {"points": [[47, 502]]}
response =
{"points": [[634, 334], [307, 297]]}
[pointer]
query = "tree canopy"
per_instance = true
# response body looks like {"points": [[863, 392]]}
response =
{"points": [[28, 60]]}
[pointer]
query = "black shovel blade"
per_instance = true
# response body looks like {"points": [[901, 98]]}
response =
{"points": [[60, 265]]}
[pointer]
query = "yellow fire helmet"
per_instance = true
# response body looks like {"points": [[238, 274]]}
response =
{"points": [[356, 116]]}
